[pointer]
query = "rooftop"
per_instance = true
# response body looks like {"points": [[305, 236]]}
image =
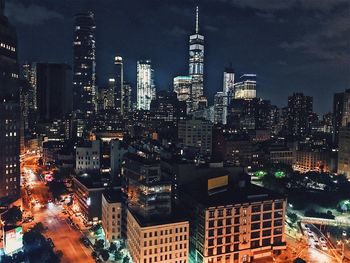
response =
{"points": [[177, 215], [230, 195], [113, 195]]}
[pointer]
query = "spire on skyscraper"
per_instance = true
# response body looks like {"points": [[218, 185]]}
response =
{"points": [[197, 20]]}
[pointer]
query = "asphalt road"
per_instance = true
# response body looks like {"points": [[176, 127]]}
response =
{"points": [[63, 235]]}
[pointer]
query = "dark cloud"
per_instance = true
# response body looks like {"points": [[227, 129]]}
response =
{"points": [[277, 5], [331, 42], [30, 14]]}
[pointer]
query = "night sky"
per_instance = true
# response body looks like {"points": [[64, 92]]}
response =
{"points": [[292, 45]]}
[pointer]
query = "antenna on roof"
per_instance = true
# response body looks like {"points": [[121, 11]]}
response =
{"points": [[197, 20]]}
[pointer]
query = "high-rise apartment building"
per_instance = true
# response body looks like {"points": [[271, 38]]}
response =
{"points": [[126, 97], [109, 100], [341, 112], [9, 111], [196, 64], [196, 133], [167, 108], [84, 63], [299, 112], [245, 88], [219, 108], [119, 82], [344, 151], [146, 90], [228, 90], [29, 73], [54, 90]]}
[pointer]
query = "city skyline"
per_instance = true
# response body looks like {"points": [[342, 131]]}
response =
{"points": [[288, 59], [114, 148]]}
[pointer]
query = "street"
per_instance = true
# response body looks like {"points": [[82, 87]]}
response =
{"points": [[64, 236]]}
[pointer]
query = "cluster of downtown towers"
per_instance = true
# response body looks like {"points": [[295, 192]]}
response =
{"points": [[118, 93]]}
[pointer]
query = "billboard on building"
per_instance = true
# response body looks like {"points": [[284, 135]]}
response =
{"points": [[13, 239]]}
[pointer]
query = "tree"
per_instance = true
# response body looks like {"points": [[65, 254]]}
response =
{"points": [[6, 259], [104, 254], [112, 247], [126, 259], [39, 227], [99, 244], [12, 216], [118, 255]]}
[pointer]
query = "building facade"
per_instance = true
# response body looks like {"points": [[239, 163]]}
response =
{"points": [[119, 82], [228, 90], [84, 64], [196, 133], [312, 160], [237, 228], [341, 112], [165, 242], [112, 214], [344, 151], [9, 111], [146, 90], [299, 112], [88, 156], [246, 87], [183, 88], [54, 90]]}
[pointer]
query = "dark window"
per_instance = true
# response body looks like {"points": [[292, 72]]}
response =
{"points": [[267, 207], [267, 224], [254, 244], [278, 205], [255, 234], [278, 214], [255, 226], [256, 208], [278, 222], [256, 217], [267, 216], [267, 233]]}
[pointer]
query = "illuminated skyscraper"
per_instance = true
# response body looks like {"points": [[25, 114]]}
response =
{"points": [[84, 86], [196, 64], [9, 111], [228, 91], [145, 84], [109, 98], [118, 90], [246, 87]]}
